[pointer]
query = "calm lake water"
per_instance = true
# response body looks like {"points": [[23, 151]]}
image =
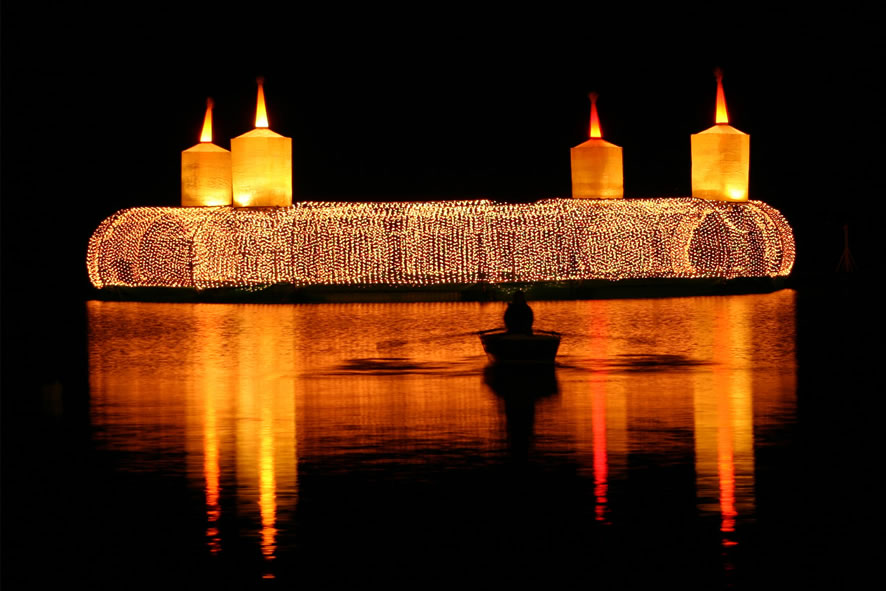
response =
{"points": [[325, 445]]}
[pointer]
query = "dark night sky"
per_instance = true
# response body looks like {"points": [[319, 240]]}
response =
{"points": [[97, 105]]}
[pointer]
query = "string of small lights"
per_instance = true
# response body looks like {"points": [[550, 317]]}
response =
{"points": [[446, 242]]}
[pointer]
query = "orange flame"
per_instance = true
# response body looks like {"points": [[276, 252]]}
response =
{"points": [[595, 120], [261, 115], [206, 134], [722, 115]]}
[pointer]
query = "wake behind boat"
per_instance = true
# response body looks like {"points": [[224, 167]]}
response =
{"points": [[507, 347]]}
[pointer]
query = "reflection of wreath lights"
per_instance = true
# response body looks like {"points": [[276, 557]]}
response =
{"points": [[447, 242]]}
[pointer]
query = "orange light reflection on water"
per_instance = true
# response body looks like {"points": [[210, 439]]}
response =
{"points": [[249, 391], [601, 468], [598, 420], [212, 474], [724, 417], [267, 487], [215, 381]]}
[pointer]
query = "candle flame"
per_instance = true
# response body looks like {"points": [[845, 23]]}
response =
{"points": [[595, 120], [722, 115], [206, 134], [261, 115]]}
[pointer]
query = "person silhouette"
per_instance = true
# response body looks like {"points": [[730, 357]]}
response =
{"points": [[518, 316]]}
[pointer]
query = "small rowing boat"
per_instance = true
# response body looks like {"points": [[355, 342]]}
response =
{"points": [[504, 347]]}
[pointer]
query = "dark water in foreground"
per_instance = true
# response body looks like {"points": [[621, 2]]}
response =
{"points": [[705, 442]]}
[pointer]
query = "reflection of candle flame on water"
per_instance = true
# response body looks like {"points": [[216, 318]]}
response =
{"points": [[601, 468], [726, 466], [727, 487], [211, 474], [598, 415], [724, 424], [267, 487]]}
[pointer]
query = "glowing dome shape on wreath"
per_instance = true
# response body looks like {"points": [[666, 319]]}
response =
{"points": [[435, 243]]}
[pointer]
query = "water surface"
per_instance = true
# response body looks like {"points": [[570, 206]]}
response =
{"points": [[342, 443]]}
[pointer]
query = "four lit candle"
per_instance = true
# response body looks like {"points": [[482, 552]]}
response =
{"points": [[257, 172]]}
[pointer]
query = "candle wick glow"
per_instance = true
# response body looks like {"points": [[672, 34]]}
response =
{"points": [[206, 134], [722, 115], [595, 120], [261, 114]]}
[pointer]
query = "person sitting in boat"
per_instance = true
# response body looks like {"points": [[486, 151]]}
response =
{"points": [[518, 316]]}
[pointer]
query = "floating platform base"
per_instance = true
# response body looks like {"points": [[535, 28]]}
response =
{"points": [[452, 245], [483, 292]]}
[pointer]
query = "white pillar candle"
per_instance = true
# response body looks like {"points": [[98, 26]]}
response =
{"points": [[597, 168], [721, 157], [206, 170], [261, 163]]}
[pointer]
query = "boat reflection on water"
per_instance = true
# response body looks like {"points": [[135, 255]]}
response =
{"points": [[520, 387]]}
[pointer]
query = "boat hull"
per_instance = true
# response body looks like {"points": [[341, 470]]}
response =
{"points": [[503, 347]]}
